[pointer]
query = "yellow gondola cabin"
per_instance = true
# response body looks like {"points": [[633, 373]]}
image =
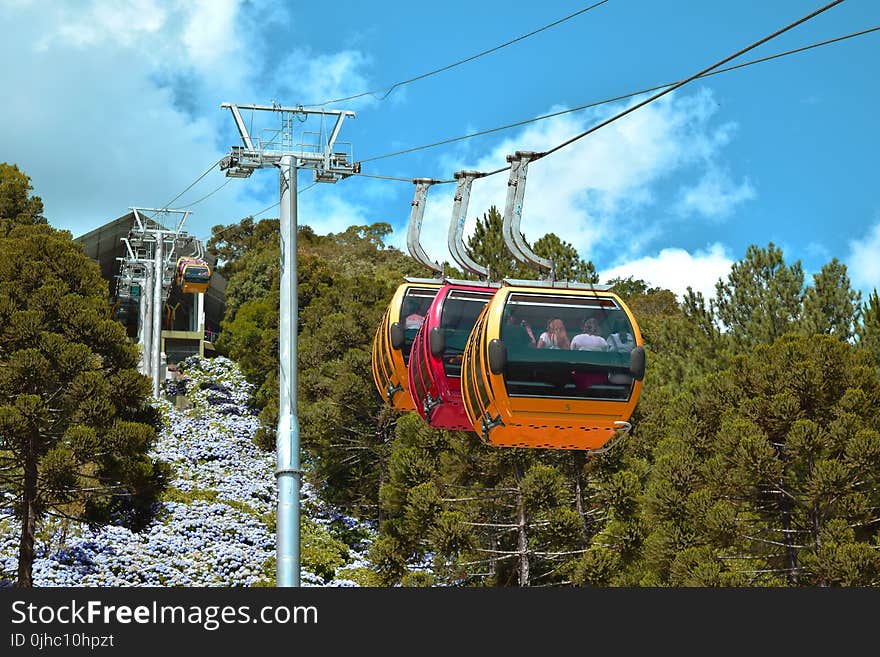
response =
{"points": [[394, 339], [577, 396], [193, 275]]}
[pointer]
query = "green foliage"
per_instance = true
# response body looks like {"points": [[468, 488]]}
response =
{"points": [[569, 265], [17, 206], [783, 457], [75, 422], [486, 247], [322, 554], [868, 331], [830, 305], [761, 298]]}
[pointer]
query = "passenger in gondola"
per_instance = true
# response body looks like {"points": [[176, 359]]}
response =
{"points": [[621, 340], [414, 319], [555, 337], [589, 339], [517, 333]]}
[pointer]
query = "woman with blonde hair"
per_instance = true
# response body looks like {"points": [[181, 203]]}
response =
{"points": [[555, 337]]}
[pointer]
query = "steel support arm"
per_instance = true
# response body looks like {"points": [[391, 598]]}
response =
{"points": [[455, 239], [513, 239], [415, 225]]}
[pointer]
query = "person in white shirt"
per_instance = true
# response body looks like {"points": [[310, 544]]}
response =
{"points": [[413, 319], [589, 339], [621, 339], [555, 336]]}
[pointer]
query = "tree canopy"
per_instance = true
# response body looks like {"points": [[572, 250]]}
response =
{"points": [[751, 462], [75, 422]]}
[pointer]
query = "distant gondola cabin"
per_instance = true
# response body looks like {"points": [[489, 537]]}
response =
{"points": [[193, 275], [394, 339]]}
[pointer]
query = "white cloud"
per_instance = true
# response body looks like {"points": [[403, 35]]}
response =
{"points": [[863, 263], [676, 269], [714, 196], [209, 31], [325, 211], [117, 104], [196, 34], [588, 192], [88, 24], [330, 76]]}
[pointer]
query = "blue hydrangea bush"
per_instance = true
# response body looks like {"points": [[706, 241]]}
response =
{"points": [[215, 525]]}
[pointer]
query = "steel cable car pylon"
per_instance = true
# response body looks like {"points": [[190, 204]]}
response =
{"points": [[403, 318], [577, 393]]}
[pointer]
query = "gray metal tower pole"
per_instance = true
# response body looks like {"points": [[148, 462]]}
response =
{"points": [[158, 276], [147, 320], [288, 472], [329, 165]]}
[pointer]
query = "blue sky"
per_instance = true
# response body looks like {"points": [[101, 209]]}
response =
{"points": [[110, 105]]}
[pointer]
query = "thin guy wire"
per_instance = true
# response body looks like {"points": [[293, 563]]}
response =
{"points": [[209, 194], [193, 184], [257, 214], [543, 117], [629, 110], [458, 63], [274, 205]]}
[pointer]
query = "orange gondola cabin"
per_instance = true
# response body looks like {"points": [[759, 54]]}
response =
{"points": [[575, 396], [394, 339], [193, 275]]}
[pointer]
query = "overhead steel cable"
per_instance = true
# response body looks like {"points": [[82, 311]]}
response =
{"points": [[458, 63], [193, 184], [681, 83], [266, 209], [666, 89], [632, 94], [208, 195]]}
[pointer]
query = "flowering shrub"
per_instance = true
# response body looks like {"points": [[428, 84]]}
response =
{"points": [[215, 525]]}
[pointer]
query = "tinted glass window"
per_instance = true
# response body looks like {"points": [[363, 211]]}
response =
{"points": [[413, 310], [460, 311], [567, 346], [196, 275]]}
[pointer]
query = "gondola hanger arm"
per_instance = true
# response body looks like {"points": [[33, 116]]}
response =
{"points": [[513, 239], [455, 239], [417, 213]]}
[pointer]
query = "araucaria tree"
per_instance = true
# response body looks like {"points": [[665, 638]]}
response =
{"points": [[75, 420]]}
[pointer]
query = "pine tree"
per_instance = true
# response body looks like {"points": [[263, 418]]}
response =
{"points": [[761, 298], [486, 247], [569, 265], [831, 306], [769, 472], [868, 330], [17, 206], [75, 423]]}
